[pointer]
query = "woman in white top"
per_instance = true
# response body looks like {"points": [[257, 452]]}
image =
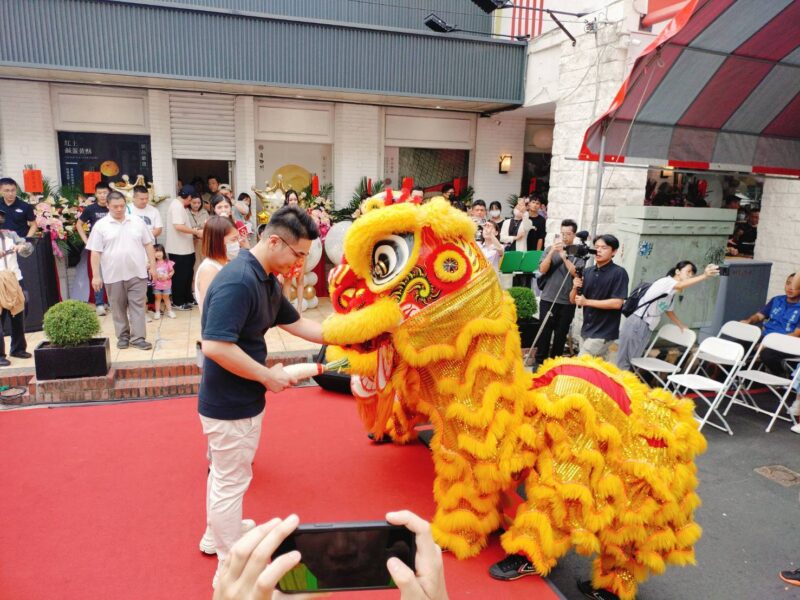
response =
{"points": [[514, 232], [492, 249], [657, 300], [220, 245]]}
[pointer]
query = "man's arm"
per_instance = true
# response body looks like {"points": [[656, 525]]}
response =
{"points": [[97, 280], [306, 329], [183, 229], [31, 228], [608, 304], [754, 319], [233, 359], [151, 260], [157, 231], [81, 231]]}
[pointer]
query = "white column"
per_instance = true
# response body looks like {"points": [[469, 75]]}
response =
{"points": [[164, 175], [245, 167], [778, 238], [27, 133], [496, 136], [357, 150]]}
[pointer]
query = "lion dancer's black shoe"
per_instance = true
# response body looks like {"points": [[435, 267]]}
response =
{"points": [[585, 587], [512, 567]]}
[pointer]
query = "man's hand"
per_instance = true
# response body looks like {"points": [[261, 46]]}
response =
{"points": [[277, 379], [19, 247], [557, 247], [580, 301], [428, 582], [249, 573], [97, 283], [577, 282]]}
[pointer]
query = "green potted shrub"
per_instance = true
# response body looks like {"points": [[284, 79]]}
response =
{"points": [[71, 349], [526, 308]]}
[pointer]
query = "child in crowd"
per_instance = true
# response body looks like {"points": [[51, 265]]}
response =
{"points": [[162, 286]]}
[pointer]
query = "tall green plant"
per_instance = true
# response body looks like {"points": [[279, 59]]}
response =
{"points": [[359, 195]]}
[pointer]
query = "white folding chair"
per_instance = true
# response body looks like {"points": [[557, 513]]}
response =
{"points": [[747, 334], [660, 368], [746, 378], [715, 350]]}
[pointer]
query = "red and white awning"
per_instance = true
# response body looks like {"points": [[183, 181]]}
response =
{"points": [[719, 89]]}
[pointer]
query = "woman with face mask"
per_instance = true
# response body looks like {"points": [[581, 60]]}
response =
{"points": [[496, 214]]}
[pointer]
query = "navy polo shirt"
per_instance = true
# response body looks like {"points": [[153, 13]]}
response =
{"points": [[18, 215], [603, 283], [241, 303]]}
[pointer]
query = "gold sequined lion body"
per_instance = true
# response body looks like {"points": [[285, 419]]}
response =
{"points": [[607, 463]]}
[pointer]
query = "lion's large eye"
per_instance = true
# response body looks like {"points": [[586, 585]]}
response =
{"points": [[389, 256]]}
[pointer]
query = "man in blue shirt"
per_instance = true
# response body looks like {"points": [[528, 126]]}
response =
{"points": [[243, 301], [20, 217], [780, 315]]}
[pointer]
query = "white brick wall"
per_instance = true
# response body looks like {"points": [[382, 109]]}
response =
{"points": [[779, 230], [579, 78], [245, 166], [357, 148], [27, 135], [495, 136]]}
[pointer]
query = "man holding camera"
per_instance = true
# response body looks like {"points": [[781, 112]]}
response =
{"points": [[555, 280], [601, 292], [12, 297]]}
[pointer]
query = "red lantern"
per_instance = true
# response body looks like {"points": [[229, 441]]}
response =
{"points": [[315, 186], [90, 181], [457, 186], [32, 178], [532, 186], [369, 187]]}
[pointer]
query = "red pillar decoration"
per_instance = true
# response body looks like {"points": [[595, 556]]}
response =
{"points": [[369, 187], [408, 183], [90, 181], [32, 179], [315, 186]]}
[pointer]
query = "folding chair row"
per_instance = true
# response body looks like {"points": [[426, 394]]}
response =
{"points": [[780, 387]]}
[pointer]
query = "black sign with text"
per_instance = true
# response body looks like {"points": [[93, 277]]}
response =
{"points": [[113, 154]]}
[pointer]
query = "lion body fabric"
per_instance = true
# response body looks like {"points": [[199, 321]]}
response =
{"points": [[607, 463]]}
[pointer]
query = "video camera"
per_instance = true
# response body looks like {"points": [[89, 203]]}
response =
{"points": [[581, 250]]}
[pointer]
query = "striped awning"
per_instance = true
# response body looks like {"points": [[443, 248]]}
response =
{"points": [[718, 89]]}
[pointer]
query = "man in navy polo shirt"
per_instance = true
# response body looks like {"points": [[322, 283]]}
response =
{"points": [[604, 289], [19, 214], [243, 301]]}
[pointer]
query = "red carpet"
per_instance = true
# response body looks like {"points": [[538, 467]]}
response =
{"points": [[107, 502]]}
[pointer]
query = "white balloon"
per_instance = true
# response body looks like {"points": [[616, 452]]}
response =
{"points": [[313, 303], [304, 305], [310, 279], [334, 242], [314, 254]]}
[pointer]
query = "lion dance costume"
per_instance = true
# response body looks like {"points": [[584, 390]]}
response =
{"points": [[607, 463]]}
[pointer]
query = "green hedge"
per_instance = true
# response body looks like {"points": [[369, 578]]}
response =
{"points": [[525, 301], [70, 323]]}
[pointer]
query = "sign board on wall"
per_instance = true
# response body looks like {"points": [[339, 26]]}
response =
{"points": [[296, 161], [113, 154]]}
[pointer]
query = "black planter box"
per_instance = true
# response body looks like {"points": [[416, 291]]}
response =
{"points": [[91, 359], [527, 331]]}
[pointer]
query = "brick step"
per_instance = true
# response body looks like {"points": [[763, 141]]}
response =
{"points": [[156, 387]]}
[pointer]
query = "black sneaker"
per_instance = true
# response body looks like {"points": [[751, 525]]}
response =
{"points": [[122, 344], [512, 567], [182, 307], [22, 354], [791, 577], [142, 345], [4, 362], [585, 587]]}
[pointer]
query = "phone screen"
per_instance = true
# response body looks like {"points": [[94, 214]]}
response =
{"points": [[345, 556]]}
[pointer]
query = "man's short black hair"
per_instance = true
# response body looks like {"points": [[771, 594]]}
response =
{"points": [[140, 189], [418, 188], [102, 185], [447, 187], [115, 195], [214, 177], [609, 240], [292, 223], [7, 181], [479, 203], [570, 223]]}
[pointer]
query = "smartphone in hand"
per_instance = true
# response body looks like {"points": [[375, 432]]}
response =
{"points": [[345, 556]]}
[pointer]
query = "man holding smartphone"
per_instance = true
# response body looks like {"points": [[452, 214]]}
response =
{"points": [[241, 304]]}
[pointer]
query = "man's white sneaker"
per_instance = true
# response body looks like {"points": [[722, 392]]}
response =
{"points": [[796, 428], [207, 544], [157, 315], [100, 310], [794, 409], [171, 314]]}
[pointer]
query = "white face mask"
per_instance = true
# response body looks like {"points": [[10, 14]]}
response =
{"points": [[231, 250], [494, 213]]}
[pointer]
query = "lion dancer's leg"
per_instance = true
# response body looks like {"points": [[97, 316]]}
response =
{"points": [[467, 511]]}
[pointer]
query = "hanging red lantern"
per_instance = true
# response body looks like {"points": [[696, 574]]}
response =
{"points": [[32, 179], [90, 181], [369, 187], [457, 186], [315, 186], [532, 186]]}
